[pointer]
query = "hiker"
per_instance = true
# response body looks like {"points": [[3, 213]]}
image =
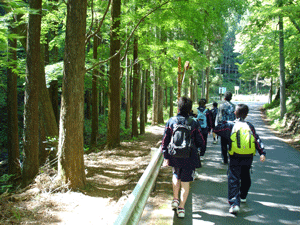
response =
{"points": [[244, 142], [225, 113], [204, 118], [214, 112], [182, 137]]}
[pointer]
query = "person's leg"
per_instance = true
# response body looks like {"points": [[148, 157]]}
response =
{"points": [[224, 148], [214, 136], [176, 182], [234, 175], [185, 188], [205, 134], [187, 176], [245, 181]]}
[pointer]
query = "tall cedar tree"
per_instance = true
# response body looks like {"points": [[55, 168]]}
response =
{"points": [[95, 95], [135, 90], [114, 105], [31, 112], [282, 69], [70, 149], [12, 110]]}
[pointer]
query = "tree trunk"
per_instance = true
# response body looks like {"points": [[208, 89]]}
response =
{"points": [[31, 107], [147, 96], [271, 91], [142, 107], [171, 102], [195, 90], [127, 94], [207, 71], [70, 162], [53, 92], [135, 90], [282, 69], [203, 84], [155, 98], [191, 89], [103, 92], [88, 104], [207, 83], [95, 96], [114, 92], [166, 97], [43, 150], [12, 110], [256, 84], [45, 112], [160, 107], [47, 116]]}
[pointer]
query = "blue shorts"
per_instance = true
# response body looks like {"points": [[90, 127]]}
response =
{"points": [[185, 175]]}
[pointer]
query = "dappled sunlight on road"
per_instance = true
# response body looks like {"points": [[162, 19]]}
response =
{"points": [[212, 206], [216, 178], [274, 196], [281, 206]]}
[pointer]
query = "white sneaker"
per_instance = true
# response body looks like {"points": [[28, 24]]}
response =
{"points": [[175, 204], [234, 209], [180, 212], [243, 200]]}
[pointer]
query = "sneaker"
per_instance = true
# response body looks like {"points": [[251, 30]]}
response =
{"points": [[180, 212], [234, 209], [175, 204], [243, 200]]}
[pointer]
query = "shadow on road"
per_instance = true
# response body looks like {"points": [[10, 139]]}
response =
{"points": [[274, 197]]}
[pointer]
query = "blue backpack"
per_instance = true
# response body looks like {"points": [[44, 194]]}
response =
{"points": [[202, 118]]}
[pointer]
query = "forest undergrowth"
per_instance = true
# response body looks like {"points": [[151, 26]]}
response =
{"points": [[111, 175]]}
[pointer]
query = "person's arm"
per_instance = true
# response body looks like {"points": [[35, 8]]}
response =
{"points": [[165, 143], [219, 115], [198, 115], [209, 120], [259, 145], [199, 139], [223, 129]]}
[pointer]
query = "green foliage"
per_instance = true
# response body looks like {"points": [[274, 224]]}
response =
{"points": [[258, 41], [272, 105], [54, 72], [4, 186], [273, 113]]}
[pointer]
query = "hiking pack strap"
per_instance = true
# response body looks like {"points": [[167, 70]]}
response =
{"points": [[238, 138]]}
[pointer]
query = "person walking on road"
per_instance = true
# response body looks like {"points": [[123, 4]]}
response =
{"points": [[204, 119], [214, 112], [243, 141], [182, 137], [225, 113]]}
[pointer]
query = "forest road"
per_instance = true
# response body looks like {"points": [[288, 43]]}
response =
{"points": [[274, 197]]}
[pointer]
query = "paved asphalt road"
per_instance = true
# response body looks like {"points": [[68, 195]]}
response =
{"points": [[274, 197]]}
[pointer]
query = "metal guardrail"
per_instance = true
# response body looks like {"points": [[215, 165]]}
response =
{"points": [[135, 204]]}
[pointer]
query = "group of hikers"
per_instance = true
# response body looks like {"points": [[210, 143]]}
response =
{"points": [[185, 140]]}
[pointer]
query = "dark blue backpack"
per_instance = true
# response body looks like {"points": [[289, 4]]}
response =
{"points": [[181, 141]]}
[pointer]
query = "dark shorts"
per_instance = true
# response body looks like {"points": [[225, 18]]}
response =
{"points": [[185, 175]]}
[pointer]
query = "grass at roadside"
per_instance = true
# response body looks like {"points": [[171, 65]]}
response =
{"points": [[289, 124]]}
